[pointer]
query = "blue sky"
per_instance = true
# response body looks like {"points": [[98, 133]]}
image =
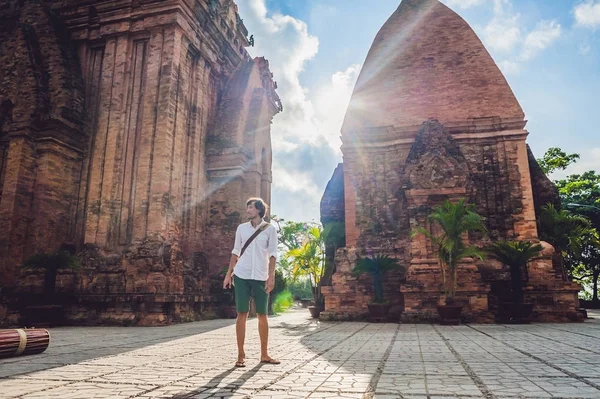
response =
{"points": [[549, 51]]}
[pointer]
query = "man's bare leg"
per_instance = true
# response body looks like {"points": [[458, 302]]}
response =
{"points": [[240, 331], [263, 332]]}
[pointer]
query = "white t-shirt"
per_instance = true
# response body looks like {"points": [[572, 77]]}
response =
{"points": [[254, 263]]}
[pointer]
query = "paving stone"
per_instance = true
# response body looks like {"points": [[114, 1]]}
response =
{"points": [[404, 368], [90, 390], [514, 386], [452, 385], [320, 360], [300, 382], [566, 387], [269, 394], [348, 383], [12, 388], [173, 390], [401, 384]]}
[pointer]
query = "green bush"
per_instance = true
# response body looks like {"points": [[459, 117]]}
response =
{"points": [[283, 301], [300, 288]]}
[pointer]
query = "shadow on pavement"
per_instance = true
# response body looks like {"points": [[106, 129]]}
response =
{"points": [[225, 391], [71, 345]]}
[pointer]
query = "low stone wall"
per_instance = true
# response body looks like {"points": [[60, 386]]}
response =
{"points": [[120, 310]]}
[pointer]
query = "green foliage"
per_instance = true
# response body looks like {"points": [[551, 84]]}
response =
{"points": [[556, 159], [291, 234], [580, 189], [309, 260], [575, 234], [376, 266], [563, 229], [304, 257], [283, 301], [300, 288], [280, 283], [455, 221], [585, 265], [515, 255], [280, 286], [566, 232], [579, 192]]}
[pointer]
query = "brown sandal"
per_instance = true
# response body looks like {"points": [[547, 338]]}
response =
{"points": [[271, 361], [240, 363]]}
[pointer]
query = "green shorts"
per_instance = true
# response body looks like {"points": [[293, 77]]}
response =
{"points": [[244, 289]]}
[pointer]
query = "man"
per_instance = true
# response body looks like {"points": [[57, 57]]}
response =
{"points": [[252, 269]]}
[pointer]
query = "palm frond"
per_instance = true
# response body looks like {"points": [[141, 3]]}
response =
{"points": [[378, 264], [514, 253]]}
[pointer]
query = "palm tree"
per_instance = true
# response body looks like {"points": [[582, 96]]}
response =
{"points": [[455, 220], [515, 255], [309, 259], [565, 231], [376, 266]]}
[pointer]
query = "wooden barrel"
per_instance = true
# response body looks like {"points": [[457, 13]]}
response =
{"points": [[20, 342]]}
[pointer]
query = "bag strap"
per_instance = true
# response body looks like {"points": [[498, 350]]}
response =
{"points": [[253, 236]]}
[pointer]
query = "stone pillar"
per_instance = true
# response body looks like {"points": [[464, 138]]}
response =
{"points": [[55, 201], [352, 230], [526, 227], [15, 206], [103, 183]]}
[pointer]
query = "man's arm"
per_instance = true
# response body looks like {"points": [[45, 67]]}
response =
{"points": [[229, 275], [271, 281], [272, 259], [237, 245]]}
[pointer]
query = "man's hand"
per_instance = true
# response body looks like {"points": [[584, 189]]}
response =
{"points": [[227, 281], [270, 284]]}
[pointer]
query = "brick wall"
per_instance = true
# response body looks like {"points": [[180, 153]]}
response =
{"points": [[134, 178], [396, 186]]}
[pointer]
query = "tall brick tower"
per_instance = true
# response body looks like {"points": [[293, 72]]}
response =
{"points": [[432, 118], [133, 130]]}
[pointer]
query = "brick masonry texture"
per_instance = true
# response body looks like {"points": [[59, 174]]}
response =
{"points": [[134, 130], [436, 120]]}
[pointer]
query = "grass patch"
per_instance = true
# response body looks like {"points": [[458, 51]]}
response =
{"points": [[283, 301]]}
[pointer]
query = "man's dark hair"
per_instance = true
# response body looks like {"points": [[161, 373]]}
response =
{"points": [[260, 205]]}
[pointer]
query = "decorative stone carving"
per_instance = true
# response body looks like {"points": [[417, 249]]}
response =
{"points": [[432, 118]]}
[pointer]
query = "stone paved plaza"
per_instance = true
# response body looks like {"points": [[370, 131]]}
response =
{"points": [[319, 360]]}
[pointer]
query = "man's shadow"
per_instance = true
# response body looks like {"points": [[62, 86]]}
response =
{"points": [[225, 391]]}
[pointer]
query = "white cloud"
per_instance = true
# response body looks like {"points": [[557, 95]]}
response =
{"points": [[332, 102], [286, 43], [305, 137], [587, 13], [513, 44], [509, 67], [464, 3], [503, 32], [545, 33]]}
